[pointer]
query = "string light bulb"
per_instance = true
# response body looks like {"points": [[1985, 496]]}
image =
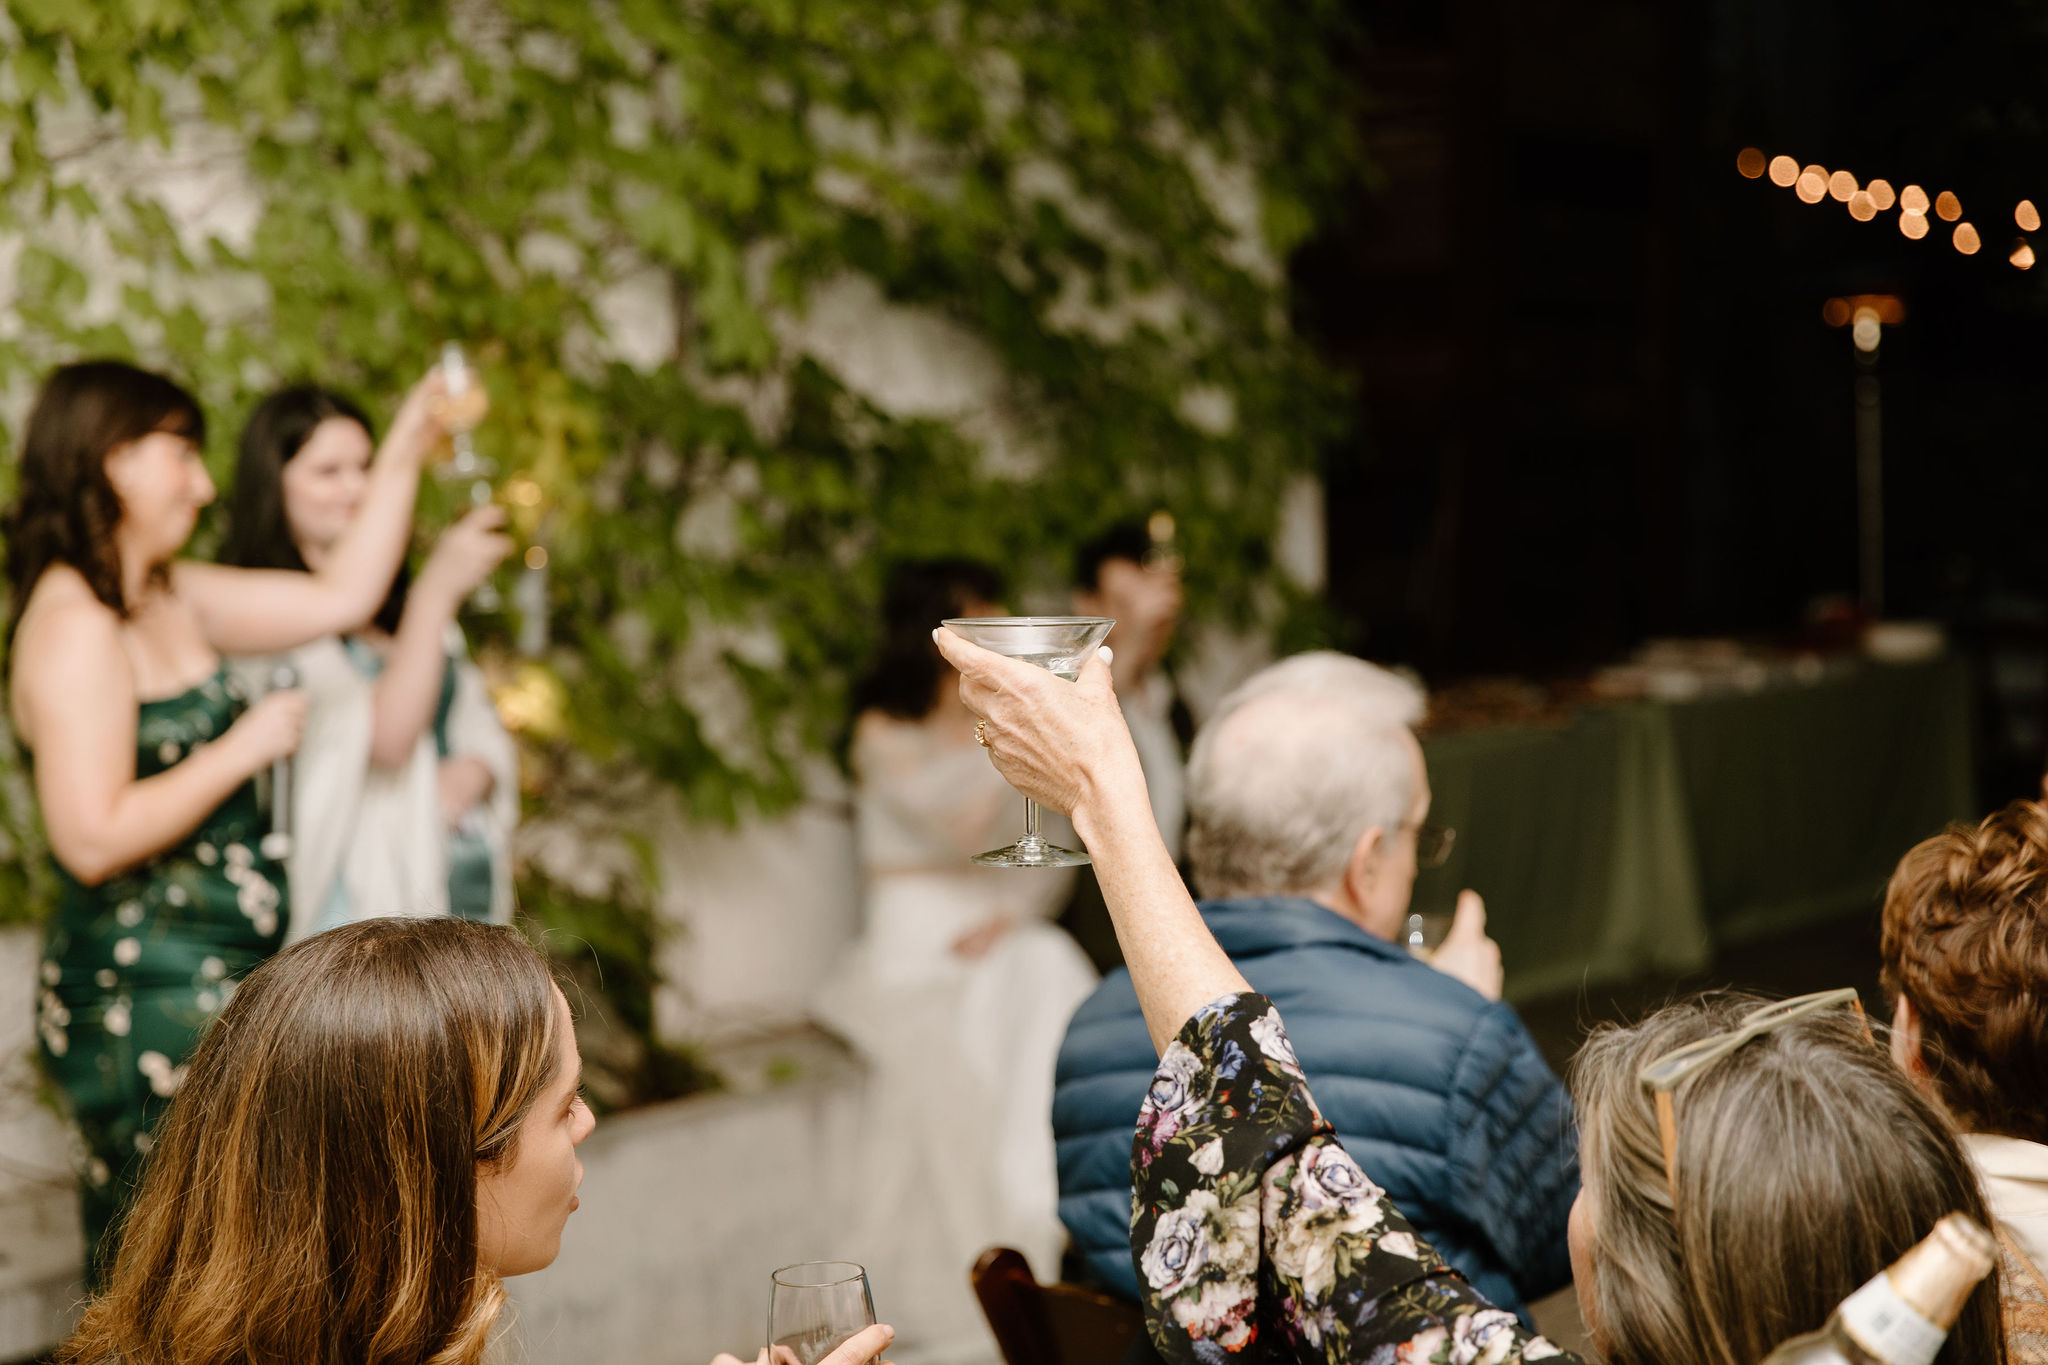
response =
{"points": [[1812, 187], [2022, 254], [2026, 216], [1914, 225], [1881, 194], [1947, 206], [1842, 186], [1835, 312], [1750, 162], [1913, 199], [1966, 239], [1867, 330], [1862, 207], [1784, 172]]}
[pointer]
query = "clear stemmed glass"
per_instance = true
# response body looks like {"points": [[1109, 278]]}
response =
{"points": [[461, 407], [814, 1307], [1061, 645]]}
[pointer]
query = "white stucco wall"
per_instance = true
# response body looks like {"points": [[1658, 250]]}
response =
{"points": [[40, 1249]]}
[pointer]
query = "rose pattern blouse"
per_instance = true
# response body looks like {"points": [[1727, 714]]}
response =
{"points": [[1259, 1238]]}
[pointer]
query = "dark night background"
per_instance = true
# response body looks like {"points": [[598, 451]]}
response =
{"points": [[1598, 401]]}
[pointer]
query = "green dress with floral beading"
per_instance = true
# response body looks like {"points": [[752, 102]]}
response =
{"points": [[133, 969]]}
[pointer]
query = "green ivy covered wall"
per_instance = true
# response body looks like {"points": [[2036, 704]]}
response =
{"points": [[673, 233]]}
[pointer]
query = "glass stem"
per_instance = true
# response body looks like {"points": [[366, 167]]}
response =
{"points": [[1031, 835]]}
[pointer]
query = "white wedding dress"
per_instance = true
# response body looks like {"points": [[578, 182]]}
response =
{"points": [[957, 1141]]}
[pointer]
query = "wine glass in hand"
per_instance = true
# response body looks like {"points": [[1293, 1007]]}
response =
{"points": [[459, 409], [815, 1308]]}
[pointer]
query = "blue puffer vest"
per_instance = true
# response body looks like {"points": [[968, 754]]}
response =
{"points": [[1438, 1093]]}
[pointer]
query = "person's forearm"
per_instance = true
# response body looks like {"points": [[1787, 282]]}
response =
{"points": [[409, 689], [150, 815], [1175, 962]]}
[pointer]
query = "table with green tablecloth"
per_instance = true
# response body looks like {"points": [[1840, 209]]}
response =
{"points": [[1637, 837]]}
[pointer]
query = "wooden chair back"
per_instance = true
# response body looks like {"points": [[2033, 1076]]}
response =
{"points": [[1051, 1324]]}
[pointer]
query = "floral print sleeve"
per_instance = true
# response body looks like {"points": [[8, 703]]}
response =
{"points": [[1259, 1238]]}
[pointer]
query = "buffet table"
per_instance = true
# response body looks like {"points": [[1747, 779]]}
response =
{"points": [[1637, 836]]}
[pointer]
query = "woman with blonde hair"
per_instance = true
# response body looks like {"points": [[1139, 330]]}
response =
{"points": [[379, 1129], [1746, 1165]]}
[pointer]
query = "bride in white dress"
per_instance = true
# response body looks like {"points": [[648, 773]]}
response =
{"points": [[957, 993]]}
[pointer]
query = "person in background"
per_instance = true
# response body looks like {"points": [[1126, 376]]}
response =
{"points": [[406, 789], [956, 991], [1965, 951], [1310, 806], [1123, 574], [1799, 1164], [1127, 575], [381, 1132], [144, 749]]}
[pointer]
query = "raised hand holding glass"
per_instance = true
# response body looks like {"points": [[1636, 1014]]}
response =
{"points": [[1061, 645]]}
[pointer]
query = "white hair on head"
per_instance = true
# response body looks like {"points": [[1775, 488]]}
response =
{"points": [[1296, 765]]}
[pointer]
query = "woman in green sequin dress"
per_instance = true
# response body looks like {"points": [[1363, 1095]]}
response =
{"points": [[406, 788], [144, 754]]}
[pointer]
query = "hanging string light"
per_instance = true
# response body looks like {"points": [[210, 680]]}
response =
{"points": [[1814, 183]]}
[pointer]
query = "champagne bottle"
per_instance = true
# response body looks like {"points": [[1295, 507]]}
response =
{"points": [[1903, 1315]]}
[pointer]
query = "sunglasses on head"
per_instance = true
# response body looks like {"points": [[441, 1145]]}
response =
{"points": [[1674, 1068]]}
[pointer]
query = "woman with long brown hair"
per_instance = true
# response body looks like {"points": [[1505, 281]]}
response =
{"points": [[144, 749], [1797, 1163], [379, 1129]]}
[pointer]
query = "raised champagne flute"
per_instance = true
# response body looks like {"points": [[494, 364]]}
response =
{"points": [[460, 408], [814, 1307], [1061, 645]]}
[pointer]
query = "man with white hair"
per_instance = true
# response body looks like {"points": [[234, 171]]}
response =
{"points": [[1308, 801]]}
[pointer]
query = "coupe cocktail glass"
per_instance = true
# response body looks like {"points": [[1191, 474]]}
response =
{"points": [[1061, 645]]}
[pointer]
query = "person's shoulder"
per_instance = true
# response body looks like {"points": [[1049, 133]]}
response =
{"points": [[63, 613]]}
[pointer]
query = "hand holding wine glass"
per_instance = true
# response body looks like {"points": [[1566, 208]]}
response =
{"points": [[817, 1310], [467, 552], [861, 1348]]}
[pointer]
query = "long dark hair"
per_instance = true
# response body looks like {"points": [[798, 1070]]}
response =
{"points": [[312, 1195], [64, 509], [259, 533], [904, 673]]}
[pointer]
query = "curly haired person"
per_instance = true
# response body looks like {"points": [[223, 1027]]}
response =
{"points": [[1966, 966]]}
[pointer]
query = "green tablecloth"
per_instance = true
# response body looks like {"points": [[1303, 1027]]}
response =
{"points": [[1638, 837]]}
